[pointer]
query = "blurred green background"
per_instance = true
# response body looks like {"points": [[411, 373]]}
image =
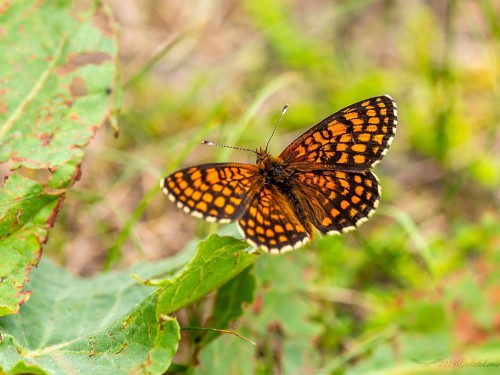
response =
{"points": [[417, 287]]}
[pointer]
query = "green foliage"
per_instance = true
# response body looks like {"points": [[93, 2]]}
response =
{"points": [[415, 290], [55, 81]]}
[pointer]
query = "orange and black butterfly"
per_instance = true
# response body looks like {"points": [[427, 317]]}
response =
{"points": [[323, 180]]}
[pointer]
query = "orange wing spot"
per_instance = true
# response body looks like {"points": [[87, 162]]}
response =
{"points": [[259, 218], [270, 233], [235, 201], [289, 227], [379, 138], [357, 121], [344, 184], [318, 138], [353, 212], [334, 212], [345, 138], [220, 202], [207, 197], [359, 190], [212, 176], [178, 175], [190, 203], [282, 239], [375, 150], [251, 223], [336, 128], [371, 112], [272, 242], [363, 206], [364, 104], [359, 159], [383, 111], [213, 212], [196, 195], [278, 229], [330, 185], [183, 184], [197, 183], [265, 211], [368, 183], [341, 147], [202, 206], [217, 188], [204, 187], [229, 209], [350, 115], [252, 211], [364, 137], [341, 175], [177, 191], [344, 204], [355, 199], [384, 129], [368, 195], [358, 128], [261, 239], [250, 232], [183, 198], [386, 120], [259, 230], [196, 175], [171, 184], [357, 178], [188, 191], [358, 148], [343, 158], [374, 121], [326, 222], [226, 191]]}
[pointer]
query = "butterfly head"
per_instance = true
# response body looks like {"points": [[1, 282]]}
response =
{"points": [[262, 155]]}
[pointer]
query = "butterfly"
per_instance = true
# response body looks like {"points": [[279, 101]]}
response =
{"points": [[323, 179]]}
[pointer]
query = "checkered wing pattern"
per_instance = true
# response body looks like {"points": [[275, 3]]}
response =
{"points": [[271, 223], [354, 138], [337, 201], [214, 192]]}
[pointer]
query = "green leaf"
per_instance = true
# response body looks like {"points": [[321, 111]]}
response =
{"points": [[26, 212], [217, 260], [280, 322], [108, 324], [229, 303], [56, 88]]}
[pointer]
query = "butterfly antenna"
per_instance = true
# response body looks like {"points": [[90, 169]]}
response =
{"points": [[209, 143], [276, 126]]}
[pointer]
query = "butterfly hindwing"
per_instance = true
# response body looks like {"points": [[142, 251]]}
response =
{"points": [[270, 222], [338, 201]]}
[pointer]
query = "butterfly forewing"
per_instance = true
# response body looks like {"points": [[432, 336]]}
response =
{"points": [[214, 192], [354, 138], [269, 222], [338, 201]]}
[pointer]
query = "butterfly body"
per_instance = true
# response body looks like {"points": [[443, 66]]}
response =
{"points": [[323, 180]]}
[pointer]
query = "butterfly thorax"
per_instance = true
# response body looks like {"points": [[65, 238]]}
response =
{"points": [[273, 170]]}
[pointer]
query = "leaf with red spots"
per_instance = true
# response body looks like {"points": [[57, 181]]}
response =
{"points": [[58, 65]]}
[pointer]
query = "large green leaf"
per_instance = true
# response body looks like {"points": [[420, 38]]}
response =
{"points": [[57, 86], [280, 322], [229, 303], [107, 324], [112, 324], [217, 261]]}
